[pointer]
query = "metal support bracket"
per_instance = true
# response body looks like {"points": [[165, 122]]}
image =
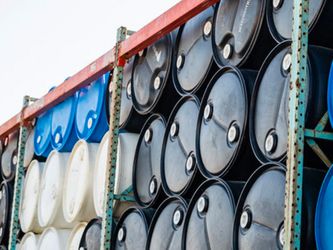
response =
{"points": [[115, 89], [19, 174]]}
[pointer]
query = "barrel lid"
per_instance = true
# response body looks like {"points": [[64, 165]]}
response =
{"points": [[54, 239], [50, 196], [62, 122], [42, 137], [126, 93], [150, 74], [167, 225], [178, 151], [269, 106], [5, 208], [132, 230], [75, 236], [29, 242], [330, 95], [235, 30], [222, 122], [28, 211], [280, 15], [260, 210], [77, 181], [9, 157], [90, 101], [91, 237], [194, 55], [323, 218], [210, 217], [29, 148], [147, 160]]}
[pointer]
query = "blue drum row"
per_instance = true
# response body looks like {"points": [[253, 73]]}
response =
{"points": [[82, 116]]}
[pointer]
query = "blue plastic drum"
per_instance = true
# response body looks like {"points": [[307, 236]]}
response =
{"points": [[330, 96], [91, 113], [324, 218], [63, 135], [42, 137]]}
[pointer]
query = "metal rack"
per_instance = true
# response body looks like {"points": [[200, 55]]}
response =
{"points": [[115, 59]]}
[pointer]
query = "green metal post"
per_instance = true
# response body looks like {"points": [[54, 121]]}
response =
{"points": [[297, 100]]}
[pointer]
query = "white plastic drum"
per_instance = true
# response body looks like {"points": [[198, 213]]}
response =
{"points": [[50, 198], [78, 204], [75, 236], [29, 242], [29, 148], [30, 194], [126, 149], [54, 239]]}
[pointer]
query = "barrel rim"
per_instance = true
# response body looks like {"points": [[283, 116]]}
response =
{"points": [[158, 212], [150, 108], [174, 112], [204, 99], [159, 192], [97, 220]]}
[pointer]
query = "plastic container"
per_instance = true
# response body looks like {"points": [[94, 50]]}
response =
{"points": [[74, 239], [91, 237], [29, 148], [91, 119], [123, 177], [55, 239], [330, 96], [63, 134], [42, 136], [30, 194], [9, 158], [6, 198], [50, 212], [29, 242], [77, 197]]}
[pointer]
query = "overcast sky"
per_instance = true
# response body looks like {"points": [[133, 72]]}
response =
{"points": [[44, 41]]}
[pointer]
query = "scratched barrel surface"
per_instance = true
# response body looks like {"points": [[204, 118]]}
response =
{"points": [[269, 107], [280, 14], [167, 225], [259, 215], [6, 198], [91, 116], [240, 33], [193, 62], [132, 229], [91, 237]]}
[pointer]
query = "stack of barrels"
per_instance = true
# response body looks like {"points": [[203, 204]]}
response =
{"points": [[203, 142]]}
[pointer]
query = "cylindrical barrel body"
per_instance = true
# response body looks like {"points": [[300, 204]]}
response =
{"points": [[29, 242], [9, 158], [6, 198], [55, 239], [91, 237], [75, 236], [42, 136]]}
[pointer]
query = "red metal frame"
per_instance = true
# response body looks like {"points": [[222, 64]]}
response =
{"points": [[162, 25]]}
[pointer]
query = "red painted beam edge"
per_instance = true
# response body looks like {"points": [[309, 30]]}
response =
{"points": [[162, 25]]}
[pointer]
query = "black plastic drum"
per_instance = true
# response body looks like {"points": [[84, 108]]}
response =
{"points": [[147, 186], [179, 169], [222, 142], [165, 232], [91, 237], [260, 211], [132, 229], [151, 86], [269, 107], [280, 14], [6, 197], [210, 216], [193, 62], [9, 158], [240, 33]]}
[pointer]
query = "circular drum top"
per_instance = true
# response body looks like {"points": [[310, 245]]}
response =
{"points": [[178, 152], [260, 210], [269, 106], [280, 14], [29, 242], [5, 205], [235, 30], [330, 96], [194, 55], [222, 121], [167, 225], [90, 102], [62, 123], [147, 161], [9, 158], [132, 230], [75, 236], [42, 137], [324, 220], [28, 212], [91, 237], [150, 74], [210, 217], [54, 239]]}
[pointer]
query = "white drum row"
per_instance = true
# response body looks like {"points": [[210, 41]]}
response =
{"points": [[52, 238], [69, 187]]}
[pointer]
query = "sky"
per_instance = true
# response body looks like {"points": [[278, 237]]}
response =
{"points": [[42, 42]]}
